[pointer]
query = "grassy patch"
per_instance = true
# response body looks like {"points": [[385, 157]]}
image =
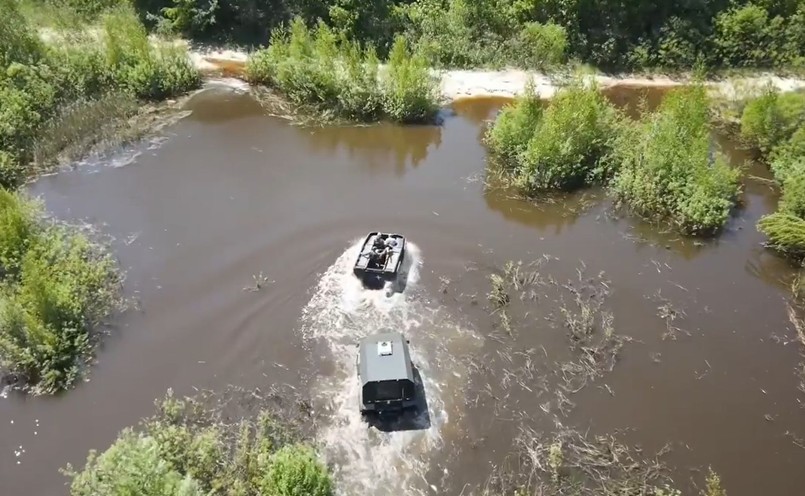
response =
{"points": [[189, 448], [670, 170], [319, 71], [56, 287]]}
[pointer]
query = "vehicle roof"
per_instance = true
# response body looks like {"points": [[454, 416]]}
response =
{"points": [[376, 367]]}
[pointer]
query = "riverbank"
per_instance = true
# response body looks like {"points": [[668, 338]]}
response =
{"points": [[455, 85]]}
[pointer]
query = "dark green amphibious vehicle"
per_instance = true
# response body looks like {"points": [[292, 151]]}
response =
{"points": [[386, 374]]}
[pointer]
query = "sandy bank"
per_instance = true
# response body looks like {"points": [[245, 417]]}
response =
{"points": [[460, 84]]}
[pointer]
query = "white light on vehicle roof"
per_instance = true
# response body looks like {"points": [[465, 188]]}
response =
{"points": [[384, 348]]}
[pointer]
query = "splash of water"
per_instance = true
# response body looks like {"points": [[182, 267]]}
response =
{"points": [[340, 313]]}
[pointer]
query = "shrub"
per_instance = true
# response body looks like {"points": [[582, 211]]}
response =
{"points": [[541, 45], [186, 449], [572, 142], [772, 119], [314, 68], [58, 286], [132, 465], [786, 233], [294, 471], [667, 168], [789, 157], [793, 198], [18, 42], [18, 226], [11, 173], [409, 91], [742, 36], [514, 127], [138, 67]]}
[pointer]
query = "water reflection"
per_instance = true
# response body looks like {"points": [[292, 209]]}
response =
{"points": [[221, 104], [377, 146]]}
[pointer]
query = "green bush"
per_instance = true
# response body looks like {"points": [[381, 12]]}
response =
{"points": [[11, 173], [147, 72], [294, 471], [18, 226], [514, 127], [668, 169], [186, 450], [409, 91], [314, 68], [786, 233], [540, 46], [57, 286], [789, 157], [793, 198], [132, 465], [18, 41], [772, 118], [571, 145]]}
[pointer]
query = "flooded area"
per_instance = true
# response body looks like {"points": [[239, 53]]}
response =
{"points": [[230, 197]]}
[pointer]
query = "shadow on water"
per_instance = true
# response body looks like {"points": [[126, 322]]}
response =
{"points": [[413, 419]]}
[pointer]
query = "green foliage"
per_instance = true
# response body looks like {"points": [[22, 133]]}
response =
{"points": [[132, 465], [668, 169], [563, 147], [409, 91], [315, 68], [786, 233], [789, 157], [184, 450], [58, 285], [38, 81], [571, 145], [515, 126], [793, 198], [294, 471], [748, 36], [11, 173], [772, 119], [18, 41], [540, 46]]}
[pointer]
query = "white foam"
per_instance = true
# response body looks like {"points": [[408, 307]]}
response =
{"points": [[340, 312]]}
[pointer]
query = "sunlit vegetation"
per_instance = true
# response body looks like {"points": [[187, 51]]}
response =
{"points": [[775, 125], [662, 167], [187, 450], [670, 170], [59, 97], [563, 147], [464, 33], [314, 67], [56, 287], [38, 79]]}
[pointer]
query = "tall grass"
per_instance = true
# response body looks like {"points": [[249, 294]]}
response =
{"points": [[563, 147], [669, 169], [57, 286], [316, 69]]}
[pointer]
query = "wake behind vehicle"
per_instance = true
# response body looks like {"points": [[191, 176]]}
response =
{"points": [[385, 374], [380, 259]]}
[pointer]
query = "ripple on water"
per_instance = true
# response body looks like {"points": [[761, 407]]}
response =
{"points": [[340, 312]]}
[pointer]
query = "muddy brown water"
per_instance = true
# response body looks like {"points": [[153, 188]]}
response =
{"points": [[231, 192]]}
